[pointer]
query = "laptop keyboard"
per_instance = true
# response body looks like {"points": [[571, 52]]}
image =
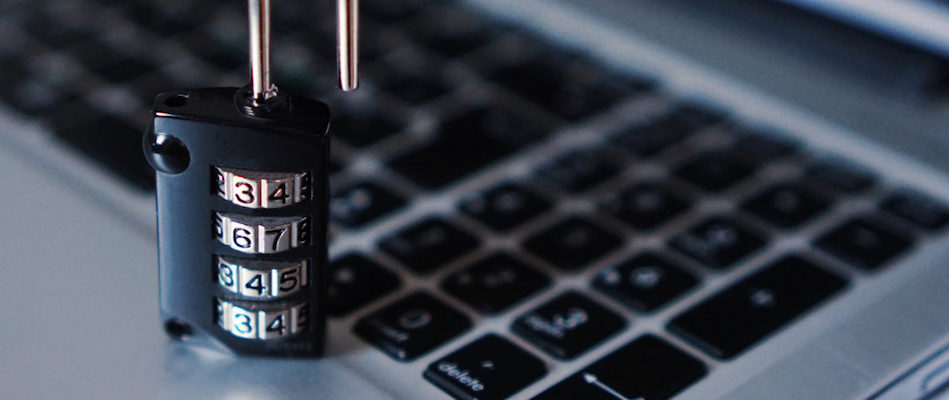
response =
{"points": [[644, 211]]}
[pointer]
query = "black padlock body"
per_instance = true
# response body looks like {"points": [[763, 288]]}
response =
{"points": [[192, 133]]}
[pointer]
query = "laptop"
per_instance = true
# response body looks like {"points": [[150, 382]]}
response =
{"points": [[530, 200]]}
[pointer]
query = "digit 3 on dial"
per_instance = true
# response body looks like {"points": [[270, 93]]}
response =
{"points": [[261, 321], [261, 279], [256, 189]]}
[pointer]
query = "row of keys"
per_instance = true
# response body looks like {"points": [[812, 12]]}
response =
{"points": [[261, 235], [255, 189], [429, 244], [273, 322], [505, 206], [718, 242], [491, 367], [498, 281], [261, 278], [565, 327], [471, 140], [571, 244], [570, 324], [644, 206], [508, 205]]}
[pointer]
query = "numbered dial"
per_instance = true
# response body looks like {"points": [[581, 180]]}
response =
{"points": [[251, 322], [261, 235], [261, 279], [255, 189]]}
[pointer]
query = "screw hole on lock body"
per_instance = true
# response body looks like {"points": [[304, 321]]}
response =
{"points": [[178, 100]]}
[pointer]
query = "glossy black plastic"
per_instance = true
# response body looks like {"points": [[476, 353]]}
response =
{"points": [[212, 128]]}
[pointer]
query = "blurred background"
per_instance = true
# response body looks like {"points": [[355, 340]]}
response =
{"points": [[89, 70], [496, 154]]}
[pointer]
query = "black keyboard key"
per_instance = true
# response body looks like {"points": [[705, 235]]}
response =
{"points": [[841, 175], [417, 89], [412, 326], [214, 49], [321, 38], [572, 243], [659, 134], [717, 242], [570, 88], [495, 283], [568, 325], [865, 242], [10, 80], [296, 75], [414, 84], [354, 281], [718, 170], [37, 95], [361, 203], [428, 244], [699, 115], [224, 59], [647, 368], [755, 307], [165, 21], [364, 127], [393, 10], [763, 147], [286, 20], [488, 368], [123, 69], [919, 209], [465, 144], [787, 205], [453, 31], [94, 53], [645, 206], [111, 142], [41, 26], [645, 282], [373, 45], [652, 137], [578, 170], [504, 207]]}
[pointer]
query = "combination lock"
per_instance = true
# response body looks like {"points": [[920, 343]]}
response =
{"points": [[242, 191]]}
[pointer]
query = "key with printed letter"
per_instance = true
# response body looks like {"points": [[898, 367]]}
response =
{"points": [[242, 196]]}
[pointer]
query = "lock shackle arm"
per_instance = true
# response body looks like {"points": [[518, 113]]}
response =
{"points": [[258, 16], [347, 34]]}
